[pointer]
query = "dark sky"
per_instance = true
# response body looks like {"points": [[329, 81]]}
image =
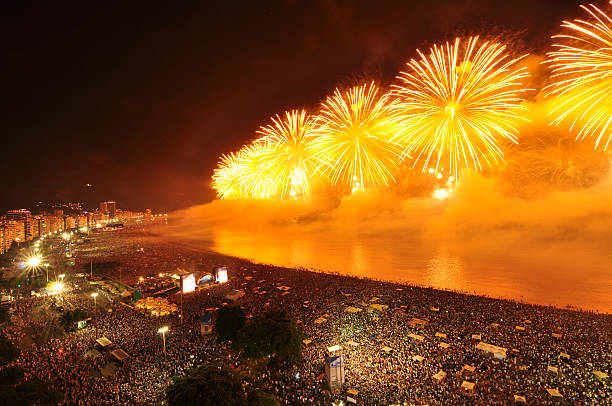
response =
{"points": [[140, 100]]}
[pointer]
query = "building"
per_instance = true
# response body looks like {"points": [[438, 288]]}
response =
{"points": [[109, 208]]}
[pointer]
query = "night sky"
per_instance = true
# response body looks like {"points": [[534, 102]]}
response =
{"points": [[140, 100]]}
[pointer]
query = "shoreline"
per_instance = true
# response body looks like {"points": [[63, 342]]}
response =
{"points": [[249, 261]]}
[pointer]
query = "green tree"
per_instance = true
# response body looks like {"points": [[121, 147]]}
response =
{"points": [[8, 351], [206, 385], [230, 320], [272, 334], [260, 398], [70, 318]]}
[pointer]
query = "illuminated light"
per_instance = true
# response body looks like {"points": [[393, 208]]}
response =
{"points": [[459, 104], [451, 178], [162, 330], [94, 294], [439, 176], [84, 229], [33, 262], [222, 275], [441, 194], [65, 236], [581, 91], [141, 279], [56, 287], [188, 283]]}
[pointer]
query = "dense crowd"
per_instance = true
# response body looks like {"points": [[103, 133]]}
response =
{"points": [[381, 361]]}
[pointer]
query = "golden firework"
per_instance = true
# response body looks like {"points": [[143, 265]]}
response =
{"points": [[354, 137], [459, 104], [582, 74], [287, 156]]}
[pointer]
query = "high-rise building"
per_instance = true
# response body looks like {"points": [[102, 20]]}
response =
{"points": [[112, 209], [109, 208]]}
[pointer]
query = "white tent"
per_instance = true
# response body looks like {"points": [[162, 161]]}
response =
{"points": [[119, 354], [104, 342], [386, 349], [444, 346], [352, 343], [554, 393], [306, 341], [468, 368], [600, 375], [468, 386], [320, 320], [552, 369], [519, 399], [439, 376], [416, 337], [498, 352], [441, 335], [235, 295], [352, 309], [417, 358], [476, 337], [334, 348]]}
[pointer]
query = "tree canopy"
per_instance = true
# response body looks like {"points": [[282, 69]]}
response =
{"points": [[206, 385], [230, 320], [273, 334]]}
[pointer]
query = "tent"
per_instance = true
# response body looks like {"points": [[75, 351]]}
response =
{"points": [[352, 343], [554, 393], [334, 348], [119, 354], [104, 342], [234, 295], [498, 352], [468, 368], [564, 355], [441, 335], [602, 376], [387, 349], [439, 376], [476, 337], [444, 346], [468, 386], [434, 309], [351, 395], [320, 320], [520, 328], [554, 370], [417, 322], [417, 358], [306, 341], [352, 309], [416, 337], [557, 335], [379, 307], [519, 399]]}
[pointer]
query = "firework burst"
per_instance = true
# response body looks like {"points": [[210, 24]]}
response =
{"points": [[354, 137], [288, 148], [582, 74], [459, 104]]}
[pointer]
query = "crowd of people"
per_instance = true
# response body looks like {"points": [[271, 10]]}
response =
{"points": [[371, 321]]}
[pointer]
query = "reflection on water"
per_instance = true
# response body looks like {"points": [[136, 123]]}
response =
{"points": [[559, 273]]}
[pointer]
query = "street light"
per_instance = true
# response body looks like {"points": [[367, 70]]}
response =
{"points": [[162, 331], [47, 269], [95, 295], [61, 276]]}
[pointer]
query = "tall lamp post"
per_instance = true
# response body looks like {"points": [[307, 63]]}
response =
{"points": [[163, 331], [95, 295]]}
